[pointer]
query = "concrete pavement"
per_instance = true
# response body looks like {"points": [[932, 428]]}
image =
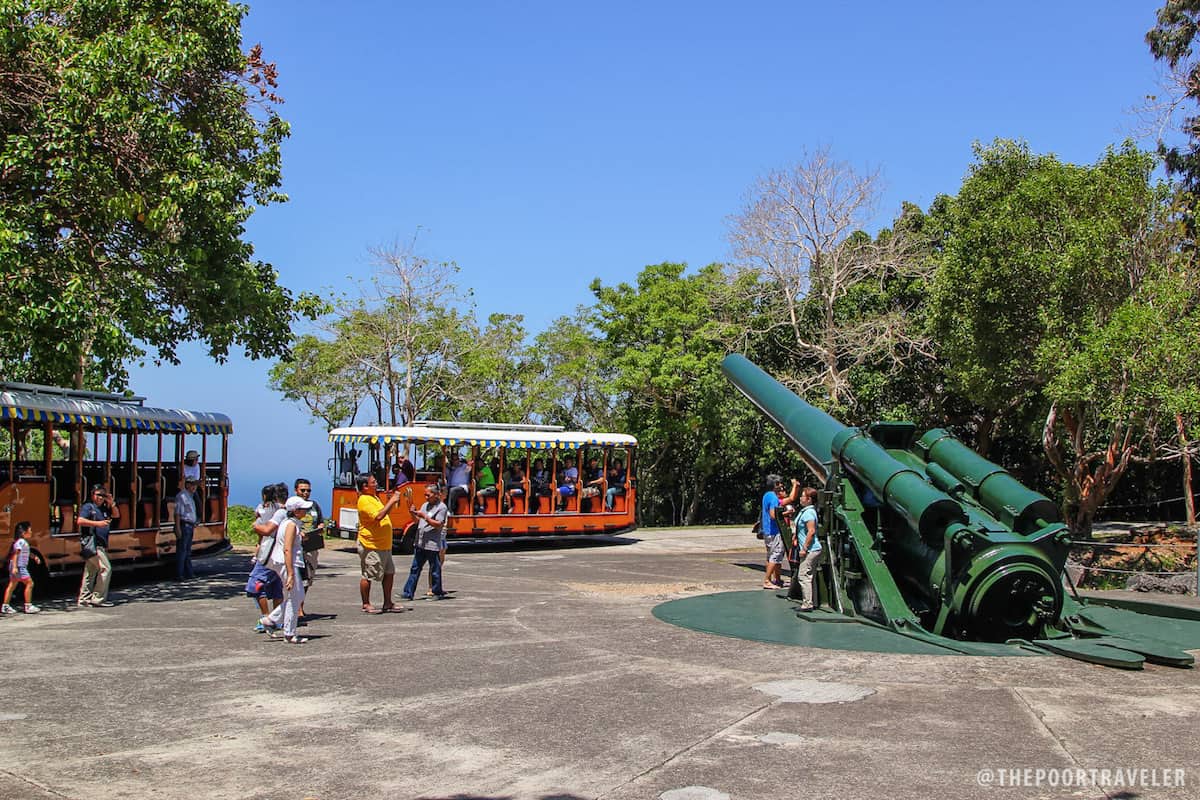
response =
{"points": [[547, 677]]}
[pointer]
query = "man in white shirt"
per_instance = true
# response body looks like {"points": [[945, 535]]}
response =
{"points": [[185, 528], [458, 479], [191, 466]]}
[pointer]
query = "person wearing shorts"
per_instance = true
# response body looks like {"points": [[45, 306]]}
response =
{"points": [[263, 586], [18, 571], [772, 501], [374, 543]]}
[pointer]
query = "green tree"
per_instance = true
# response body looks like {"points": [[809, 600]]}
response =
{"points": [[1039, 257], [1171, 41], [136, 138], [665, 338], [570, 377], [400, 344]]}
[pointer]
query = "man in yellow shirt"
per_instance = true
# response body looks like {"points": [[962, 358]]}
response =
{"points": [[375, 542]]}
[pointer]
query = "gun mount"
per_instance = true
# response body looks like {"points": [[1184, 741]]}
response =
{"points": [[934, 542]]}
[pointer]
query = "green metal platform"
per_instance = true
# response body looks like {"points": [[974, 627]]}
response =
{"points": [[764, 616]]}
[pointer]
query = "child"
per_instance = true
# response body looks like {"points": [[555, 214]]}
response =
{"points": [[18, 571]]}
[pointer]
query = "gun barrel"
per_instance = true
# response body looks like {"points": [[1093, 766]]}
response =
{"points": [[821, 439], [809, 429]]}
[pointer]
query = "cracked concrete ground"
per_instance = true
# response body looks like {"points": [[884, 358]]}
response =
{"points": [[547, 677]]}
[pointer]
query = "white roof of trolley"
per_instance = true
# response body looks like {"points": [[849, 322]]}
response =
{"points": [[34, 403], [486, 434]]}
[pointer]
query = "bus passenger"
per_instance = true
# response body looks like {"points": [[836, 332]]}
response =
{"points": [[566, 483], [514, 484], [18, 571], [402, 471], [593, 485], [539, 485], [485, 481], [616, 484], [93, 523], [191, 468], [431, 522], [458, 479], [348, 467]]}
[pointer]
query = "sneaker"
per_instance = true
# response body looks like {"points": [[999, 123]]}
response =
{"points": [[259, 628], [30, 608], [101, 604], [7, 609]]}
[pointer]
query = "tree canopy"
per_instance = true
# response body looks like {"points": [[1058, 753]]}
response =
{"points": [[136, 138]]}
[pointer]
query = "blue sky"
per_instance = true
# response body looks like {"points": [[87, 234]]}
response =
{"points": [[541, 145]]}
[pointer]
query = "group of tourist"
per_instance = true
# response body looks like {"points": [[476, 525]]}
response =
{"points": [[807, 554], [374, 543], [94, 522], [284, 567], [516, 481]]}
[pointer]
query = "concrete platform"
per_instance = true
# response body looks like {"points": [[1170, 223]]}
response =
{"points": [[547, 677]]}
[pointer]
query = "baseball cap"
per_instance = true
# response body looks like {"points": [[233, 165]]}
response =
{"points": [[295, 502]]}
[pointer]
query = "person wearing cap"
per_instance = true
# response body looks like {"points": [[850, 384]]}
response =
{"points": [[185, 528], [191, 466], [287, 559]]}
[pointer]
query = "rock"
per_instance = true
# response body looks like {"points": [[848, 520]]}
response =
{"points": [[1183, 583]]}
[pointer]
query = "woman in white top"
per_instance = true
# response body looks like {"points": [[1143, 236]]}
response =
{"points": [[287, 559]]}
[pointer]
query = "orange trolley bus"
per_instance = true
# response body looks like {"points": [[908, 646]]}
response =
{"points": [[603, 501], [57, 444]]}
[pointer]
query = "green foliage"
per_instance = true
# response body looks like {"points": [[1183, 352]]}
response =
{"points": [[239, 521], [135, 140], [1037, 253], [569, 377], [664, 339], [1171, 41]]}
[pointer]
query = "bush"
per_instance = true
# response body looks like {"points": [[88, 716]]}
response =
{"points": [[240, 522]]}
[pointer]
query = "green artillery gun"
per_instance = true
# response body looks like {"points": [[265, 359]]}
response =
{"points": [[934, 542]]}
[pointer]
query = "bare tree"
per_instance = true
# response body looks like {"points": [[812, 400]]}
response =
{"points": [[801, 231], [408, 328]]}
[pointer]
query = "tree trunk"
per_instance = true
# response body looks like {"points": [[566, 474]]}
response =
{"points": [[693, 508], [1189, 500], [983, 443], [1086, 487]]}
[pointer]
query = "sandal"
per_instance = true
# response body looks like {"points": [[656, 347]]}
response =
{"points": [[370, 609], [391, 609], [296, 639]]}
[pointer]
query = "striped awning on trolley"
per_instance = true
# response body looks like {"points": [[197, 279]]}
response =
{"points": [[39, 407], [448, 437]]}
